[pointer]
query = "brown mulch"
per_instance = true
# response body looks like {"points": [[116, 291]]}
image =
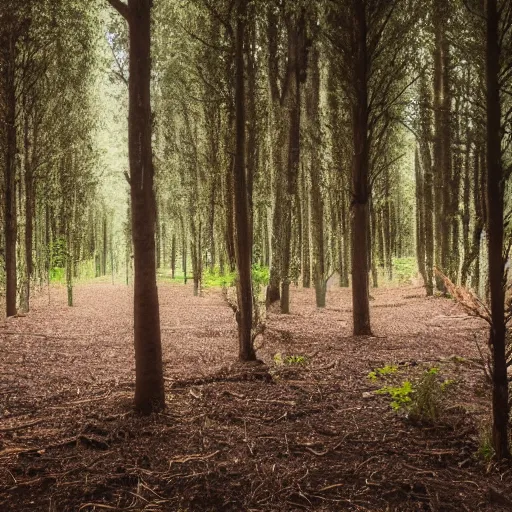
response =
{"points": [[314, 436]]}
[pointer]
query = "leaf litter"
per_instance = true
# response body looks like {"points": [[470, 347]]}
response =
{"points": [[305, 431]]}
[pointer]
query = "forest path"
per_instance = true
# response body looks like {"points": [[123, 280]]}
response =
{"points": [[316, 438]]}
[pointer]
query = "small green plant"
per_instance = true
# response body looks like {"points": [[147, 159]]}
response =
{"points": [[382, 372], [428, 396], [448, 383], [400, 396], [421, 401], [278, 359], [299, 360], [485, 450], [58, 275]]}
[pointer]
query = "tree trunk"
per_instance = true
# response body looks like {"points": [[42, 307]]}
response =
{"points": [[373, 229], [10, 219], [438, 142], [104, 246], [183, 249], [243, 235], [495, 210], [360, 177], [149, 383], [420, 220], [306, 261], [296, 38], [173, 256], [30, 199], [317, 200]]}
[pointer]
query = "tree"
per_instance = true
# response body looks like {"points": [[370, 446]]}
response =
{"points": [[149, 384], [243, 231], [496, 78]]}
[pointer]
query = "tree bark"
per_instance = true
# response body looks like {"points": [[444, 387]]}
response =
{"points": [[360, 177], [420, 220], [243, 227], [495, 210], [149, 383], [10, 219], [317, 200]]}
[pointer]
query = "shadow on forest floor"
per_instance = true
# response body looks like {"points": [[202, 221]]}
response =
{"points": [[316, 437]]}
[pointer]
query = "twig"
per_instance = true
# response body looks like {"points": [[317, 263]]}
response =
{"points": [[321, 454], [333, 486], [21, 426], [188, 458]]}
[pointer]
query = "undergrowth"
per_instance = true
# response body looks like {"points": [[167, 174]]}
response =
{"points": [[422, 400]]}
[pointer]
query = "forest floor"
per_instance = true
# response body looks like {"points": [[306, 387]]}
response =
{"points": [[314, 436]]}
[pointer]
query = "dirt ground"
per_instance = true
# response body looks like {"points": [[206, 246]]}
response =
{"points": [[313, 437]]}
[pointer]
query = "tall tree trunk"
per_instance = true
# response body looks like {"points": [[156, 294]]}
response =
{"points": [[243, 235], [360, 177], [158, 236], [495, 209], [149, 383], [317, 200], [29, 204], [344, 235], [104, 248], [183, 248], [11, 225], [305, 204], [373, 228], [173, 256], [420, 219], [296, 38], [438, 142]]}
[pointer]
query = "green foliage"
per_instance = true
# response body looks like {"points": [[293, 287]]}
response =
{"points": [[428, 396], [485, 449], [422, 401], [260, 275], [58, 275], [217, 280], [400, 396], [404, 269], [382, 372], [58, 250], [299, 360]]}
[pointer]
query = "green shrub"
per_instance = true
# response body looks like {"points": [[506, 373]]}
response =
{"points": [[58, 275], [404, 269], [422, 401], [382, 372], [400, 396], [428, 397]]}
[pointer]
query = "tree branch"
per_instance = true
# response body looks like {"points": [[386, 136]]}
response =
{"points": [[120, 7]]}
